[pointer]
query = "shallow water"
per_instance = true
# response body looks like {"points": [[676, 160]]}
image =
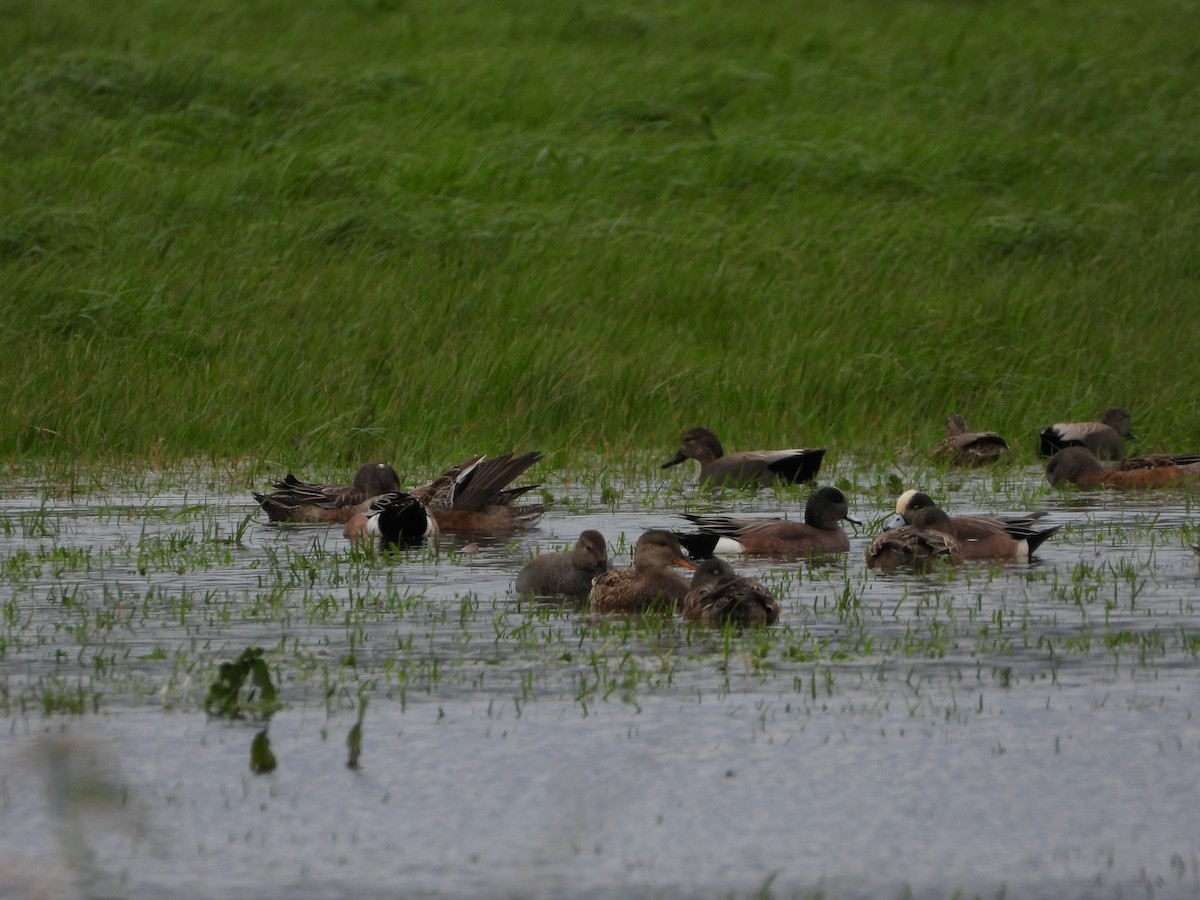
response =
{"points": [[1027, 730]]}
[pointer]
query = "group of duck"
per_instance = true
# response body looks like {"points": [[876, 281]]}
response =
{"points": [[476, 497]]}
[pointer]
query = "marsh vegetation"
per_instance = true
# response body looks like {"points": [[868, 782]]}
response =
{"points": [[603, 742], [242, 239]]}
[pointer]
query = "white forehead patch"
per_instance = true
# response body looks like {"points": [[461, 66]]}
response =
{"points": [[904, 500]]}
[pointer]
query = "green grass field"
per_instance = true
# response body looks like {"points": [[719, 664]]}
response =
{"points": [[312, 234]]}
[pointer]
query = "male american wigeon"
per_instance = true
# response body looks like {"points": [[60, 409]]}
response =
{"points": [[747, 468], [475, 496], [1080, 467], [820, 533], [566, 574], [293, 500], [968, 448], [915, 546], [1106, 438], [718, 595], [650, 583], [394, 519], [979, 537]]}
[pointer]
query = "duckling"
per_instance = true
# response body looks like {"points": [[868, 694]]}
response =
{"points": [[567, 574]]}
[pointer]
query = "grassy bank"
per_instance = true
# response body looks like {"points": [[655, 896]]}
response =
{"points": [[407, 230]]}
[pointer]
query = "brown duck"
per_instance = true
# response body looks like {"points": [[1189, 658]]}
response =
{"points": [[820, 533], [1080, 467], [962, 447], [475, 496], [746, 468], [916, 546], [650, 583], [979, 537], [293, 500], [1105, 438], [719, 596]]}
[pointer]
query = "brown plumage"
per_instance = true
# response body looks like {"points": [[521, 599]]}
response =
{"points": [[718, 596], [968, 448], [649, 584], [293, 500], [1080, 467], [915, 546], [474, 495], [567, 574], [820, 533], [747, 468], [1105, 439], [979, 537]]}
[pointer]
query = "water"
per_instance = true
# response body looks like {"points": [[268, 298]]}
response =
{"points": [[1027, 730]]}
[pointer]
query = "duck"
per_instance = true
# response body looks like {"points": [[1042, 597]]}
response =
{"points": [[1105, 438], [719, 596], [394, 520], [566, 574], [968, 448], [294, 500], [819, 534], [747, 468], [916, 546], [474, 495], [1080, 467], [647, 585], [979, 537]]}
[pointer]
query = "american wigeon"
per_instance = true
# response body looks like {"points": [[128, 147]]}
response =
{"points": [[718, 595], [650, 583], [916, 546], [968, 448], [747, 468], [566, 574], [820, 533], [979, 537], [293, 500], [394, 519], [1106, 438], [475, 496], [1080, 467]]}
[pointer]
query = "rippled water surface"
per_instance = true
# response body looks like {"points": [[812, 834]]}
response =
{"points": [[1019, 730]]}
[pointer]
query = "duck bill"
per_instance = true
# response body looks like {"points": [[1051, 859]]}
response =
{"points": [[686, 563], [674, 460]]}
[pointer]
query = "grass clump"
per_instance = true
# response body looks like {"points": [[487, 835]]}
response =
{"points": [[249, 673]]}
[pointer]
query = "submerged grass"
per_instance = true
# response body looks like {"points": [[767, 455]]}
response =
{"points": [[399, 230], [115, 604]]}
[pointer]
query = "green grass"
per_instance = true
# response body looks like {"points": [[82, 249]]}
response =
{"points": [[309, 236]]}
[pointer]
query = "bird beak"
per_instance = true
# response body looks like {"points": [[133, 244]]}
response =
{"points": [[674, 460]]}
